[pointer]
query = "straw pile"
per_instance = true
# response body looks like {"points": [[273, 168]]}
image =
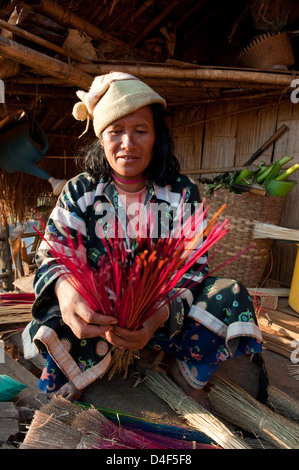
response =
{"points": [[194, 414], [241, 409]]}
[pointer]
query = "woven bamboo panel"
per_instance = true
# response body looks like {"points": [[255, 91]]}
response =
{"points": [[243, 210]]}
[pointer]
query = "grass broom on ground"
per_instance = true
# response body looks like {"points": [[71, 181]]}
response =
{"points": [[238, 407], [194, 414], [283, 403]]}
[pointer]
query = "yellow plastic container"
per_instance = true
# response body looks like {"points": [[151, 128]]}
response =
{"points": [[294, 291]]}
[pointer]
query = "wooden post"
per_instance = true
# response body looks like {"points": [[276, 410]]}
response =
{"points": [[5, 259], [24, 257], [15, 242]]}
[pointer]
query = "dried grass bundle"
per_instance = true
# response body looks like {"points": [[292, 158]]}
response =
{"points": [[241, 409], [283, 403], [47, 432], [262, 230], [15, 307], [62, 409], [195, 415]]}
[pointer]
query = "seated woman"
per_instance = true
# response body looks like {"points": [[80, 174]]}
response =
{"points": [[131, 161]]}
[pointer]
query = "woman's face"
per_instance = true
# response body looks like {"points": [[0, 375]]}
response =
{"points": [[128, 143]]}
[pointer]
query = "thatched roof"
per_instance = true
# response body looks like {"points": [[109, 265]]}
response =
{"points": [[187, 50]]}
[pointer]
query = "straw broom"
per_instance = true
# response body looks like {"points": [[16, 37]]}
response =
{"points": [[48, 432], [262, 230], [64, 425], [194, 414], [283, 403], [241, 409], [105, 434], [61, 409], [45, 432]]}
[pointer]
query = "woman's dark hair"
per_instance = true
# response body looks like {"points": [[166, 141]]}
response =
{"points": [[163, 168]]}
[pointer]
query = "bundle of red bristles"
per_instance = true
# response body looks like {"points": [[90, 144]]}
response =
{"points": [[133, 282]]}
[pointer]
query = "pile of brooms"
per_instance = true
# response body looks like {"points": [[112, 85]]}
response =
{"points": [[62, 424], [65, 425], [232, 404]]}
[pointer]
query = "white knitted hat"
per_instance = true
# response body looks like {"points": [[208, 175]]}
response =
{"points": [[111, 97]]}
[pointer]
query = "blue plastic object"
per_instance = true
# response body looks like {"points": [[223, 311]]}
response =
{"points": [[22, 147], [9, 388]]}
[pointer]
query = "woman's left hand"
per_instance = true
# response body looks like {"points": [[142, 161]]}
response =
{"points": [[137, 339]]}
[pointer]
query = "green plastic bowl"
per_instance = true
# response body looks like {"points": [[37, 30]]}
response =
{"points": [[280, 188]]}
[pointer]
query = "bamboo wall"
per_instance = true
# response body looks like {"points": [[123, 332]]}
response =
{"points": [[226, 135]]}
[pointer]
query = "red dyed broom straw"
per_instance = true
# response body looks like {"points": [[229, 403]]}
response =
{"points": [[133, 283]]}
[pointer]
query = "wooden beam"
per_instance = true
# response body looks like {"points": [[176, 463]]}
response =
{"points": [[44, 64]]}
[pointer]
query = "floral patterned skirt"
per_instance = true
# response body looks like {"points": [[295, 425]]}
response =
{"points": [[221, 324]]}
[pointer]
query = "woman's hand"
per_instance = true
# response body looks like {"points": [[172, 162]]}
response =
{"points": [[137, 339], [76, 313]]}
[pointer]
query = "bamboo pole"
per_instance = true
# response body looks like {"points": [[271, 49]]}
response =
{"points": [[42, 63], [40, 41], [216, 74], [69, 19]]}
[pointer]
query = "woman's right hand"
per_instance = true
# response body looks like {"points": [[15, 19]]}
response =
{"points": [[76, 313]]}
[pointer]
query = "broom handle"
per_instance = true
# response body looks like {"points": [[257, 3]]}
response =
{"points": [[267, 144]]}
